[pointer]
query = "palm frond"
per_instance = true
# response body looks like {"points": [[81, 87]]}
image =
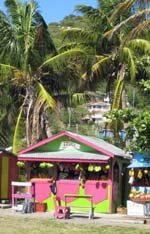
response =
{"points": [[118, 89], [4, 128], [14, 8], [77, 34], [140, 44], [95, 16], [19, 133], [70, 46], [30, 32], [17, 76], [60, 59], [143, 27], [120, 8], [90, 12], [18, 31], [43, 40], [109, 34], [78, 98], [128, 58], [6, 69], [10, 50], [45, 98], [97, 67]]}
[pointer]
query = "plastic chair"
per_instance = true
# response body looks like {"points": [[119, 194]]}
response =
{"points": [[60, 211]]}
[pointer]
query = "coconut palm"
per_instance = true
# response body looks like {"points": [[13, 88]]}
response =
{"points": [[115, 39], [104, 46], [133, 45], [26, 53], [21, 51], [7, 114]]}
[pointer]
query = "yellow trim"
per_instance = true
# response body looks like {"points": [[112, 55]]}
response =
{"points": [[4, 177]]}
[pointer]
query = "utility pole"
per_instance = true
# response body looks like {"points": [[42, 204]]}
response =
{"points": [[69, 117], [133, 99], [123, 99]]}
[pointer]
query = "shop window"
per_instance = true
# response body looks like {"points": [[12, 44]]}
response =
{"points": [[67, 171], [101, 175], [37, 170], [83, 171], [142, 177]]}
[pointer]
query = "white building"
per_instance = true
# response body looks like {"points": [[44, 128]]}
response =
{"points": [[96, 111]]}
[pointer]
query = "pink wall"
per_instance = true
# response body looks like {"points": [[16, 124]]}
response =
{"points": [[41, 189], [98, 189]]}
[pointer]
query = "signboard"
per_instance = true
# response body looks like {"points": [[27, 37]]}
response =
{"points": [[69, 145], [134, 208]]}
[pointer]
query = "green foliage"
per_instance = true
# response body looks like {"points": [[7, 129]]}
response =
{"points": [[108, 6], [127, 56], [19, 134], [126, 115], [71, 119], [70, 21], [136, 96], [24, 41], [137, 130], [122, 7], [109, 43], [60, 59], [145, 85], [55, 31], [45, 98], [8, 109]]}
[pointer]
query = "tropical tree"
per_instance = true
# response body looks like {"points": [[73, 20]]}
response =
{"points": [[138, 132], [26, 53], [21, 34], [116, 38], [137, 128], [108, 39], [133, 46], [7, 114]]}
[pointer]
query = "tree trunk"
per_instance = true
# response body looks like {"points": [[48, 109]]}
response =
{"points": [[35, 131]]}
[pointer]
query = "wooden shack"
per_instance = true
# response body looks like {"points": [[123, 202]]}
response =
{"points": [[8, 173], [82, 166]]}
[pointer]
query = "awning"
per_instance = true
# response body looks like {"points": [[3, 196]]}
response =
{"points": [[64, 156], [139, 165], [140, 161]]}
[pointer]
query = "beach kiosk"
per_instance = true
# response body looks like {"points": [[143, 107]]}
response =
{"points": [[85, 170], [8, 173], [139, 178]]}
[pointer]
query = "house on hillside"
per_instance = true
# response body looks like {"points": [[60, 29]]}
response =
{"points": [[96, 112]]}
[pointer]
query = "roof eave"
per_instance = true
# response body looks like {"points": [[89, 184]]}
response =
{"points": [[62, 160]]}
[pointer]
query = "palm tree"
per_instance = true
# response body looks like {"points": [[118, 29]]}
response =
{"points": [[133, 44], [26, 53], [114, 40], [99, 36], [7, 114]]}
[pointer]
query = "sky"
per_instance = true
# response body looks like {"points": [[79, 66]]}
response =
{"points": [[56, 10]]}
